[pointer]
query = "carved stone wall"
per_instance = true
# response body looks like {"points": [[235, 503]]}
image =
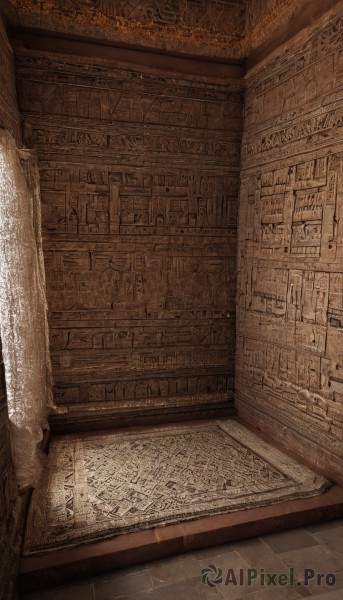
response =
{"points": [[9, 550], [226, 28], [289, 369], [262, 16], [204, 27], [9, 115], [139, 184]]}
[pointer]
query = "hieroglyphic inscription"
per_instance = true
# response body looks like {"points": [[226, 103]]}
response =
{"points": [[230, 28], [199, 26], [290, 288], [96, 202], [226, 466], [213, 15], [139, 185], [124, 141], [100, 93], [290, 292]]}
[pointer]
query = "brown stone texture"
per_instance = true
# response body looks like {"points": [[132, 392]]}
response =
{"points": [[261, 15], [271, 23], [9, 552], [228, 29], [139, 185], [9, 115], [204, 27], [8, 498], [289, 361]]}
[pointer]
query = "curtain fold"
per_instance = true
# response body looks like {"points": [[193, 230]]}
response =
{"points": [[23, 308]]}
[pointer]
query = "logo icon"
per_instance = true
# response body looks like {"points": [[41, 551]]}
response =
{"points": [[212, 576]]}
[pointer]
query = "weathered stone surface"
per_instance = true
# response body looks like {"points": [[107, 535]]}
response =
{"points": [[214, 28], [139, 184], [9, 551], [290, 292], [204, 27], [9, 115]]}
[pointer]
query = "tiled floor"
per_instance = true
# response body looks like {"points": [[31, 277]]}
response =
{"points": [[318, 548]]}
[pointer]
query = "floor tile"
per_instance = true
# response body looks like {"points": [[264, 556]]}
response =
{"points": [[317, 558], [258, 555], [171, 570], [304, 592], [132, 569], [230, 563], [72, 592], [281, 593], [232, 587], [289, 540], [119, 585], [233, 592], [319, 590], [320, 549], [205, 553], [190, 589], [229, 559], [319, 527], [335, 595], [332, 539]]}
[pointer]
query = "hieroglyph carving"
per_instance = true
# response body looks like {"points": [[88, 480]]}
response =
{"points": [[290, 291], [139, 184], [200, 26]]}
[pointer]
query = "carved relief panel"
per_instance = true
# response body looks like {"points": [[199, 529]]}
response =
{"points": [[204, 27], [289, 358], [139, 185]]}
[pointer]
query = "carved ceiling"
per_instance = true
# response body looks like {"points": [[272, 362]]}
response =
{"points": [[223, 28]]}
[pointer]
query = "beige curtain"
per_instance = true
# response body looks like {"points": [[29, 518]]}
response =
{"points": [[23, 309]]}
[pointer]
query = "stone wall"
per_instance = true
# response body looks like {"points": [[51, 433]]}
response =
{"points": [[9, 115], [264, 15], [9, 551], [229, 29], [289, 369], [202, 27], [8, 499], [139, 184]]}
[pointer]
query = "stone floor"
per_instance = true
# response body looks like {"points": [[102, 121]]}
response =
{"points": [[317, 548]]}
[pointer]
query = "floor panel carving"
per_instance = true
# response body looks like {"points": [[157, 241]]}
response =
{"points": [[99, 486]]}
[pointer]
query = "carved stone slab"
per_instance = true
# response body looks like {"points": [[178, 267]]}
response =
{"points": [[204, 27], [290, 290], [139, 184]]}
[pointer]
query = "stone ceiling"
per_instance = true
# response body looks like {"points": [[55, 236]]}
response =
{"points": [[221, 28]]}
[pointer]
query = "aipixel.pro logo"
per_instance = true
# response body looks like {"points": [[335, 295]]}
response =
{"points": [[213, 576]]}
